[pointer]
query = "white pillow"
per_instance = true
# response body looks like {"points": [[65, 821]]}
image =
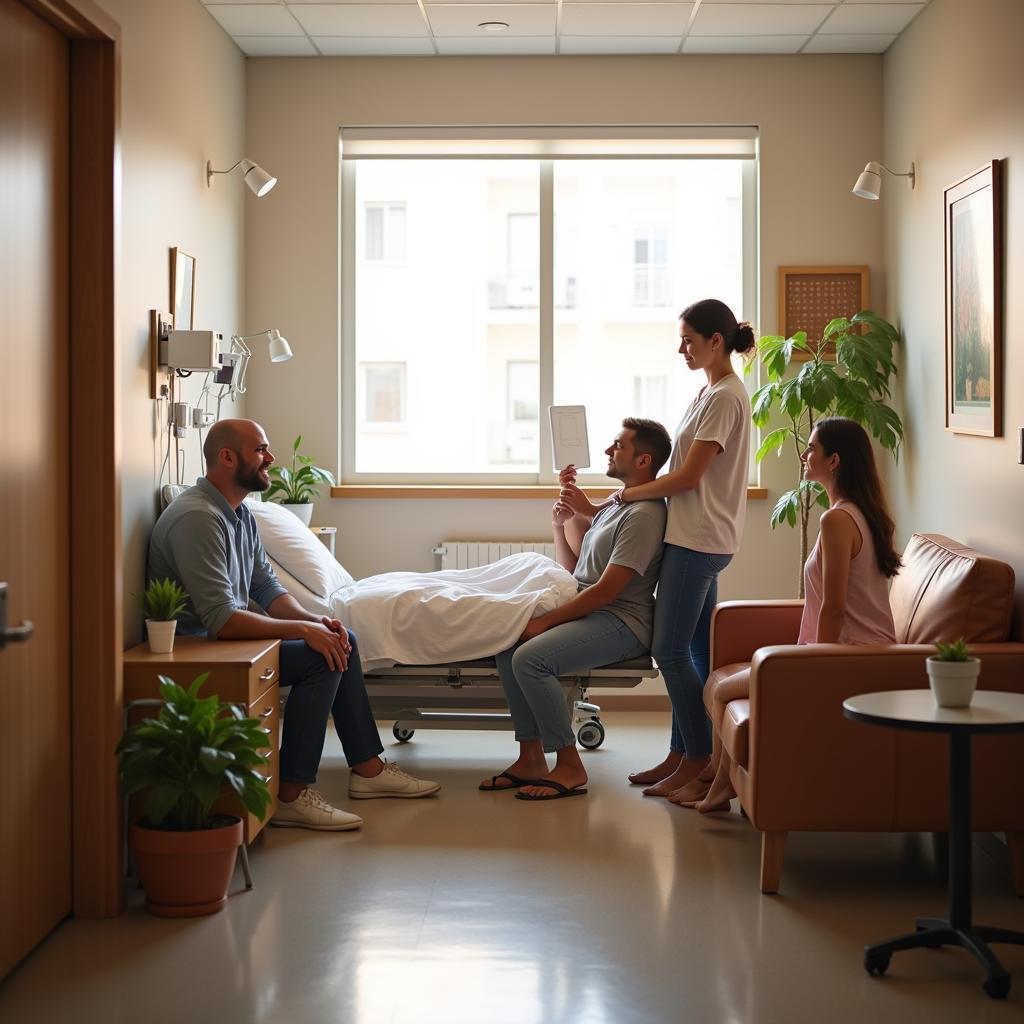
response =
{"points": [[295, 547]]}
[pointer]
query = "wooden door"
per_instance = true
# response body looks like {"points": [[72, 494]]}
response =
{"points": [[35, 749]]}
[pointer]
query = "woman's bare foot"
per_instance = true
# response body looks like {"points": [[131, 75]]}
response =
{"points": [[694, 791], [718, 796], [569, 776], [658, 772], [689, 768], [524, 768], [707, 807]]}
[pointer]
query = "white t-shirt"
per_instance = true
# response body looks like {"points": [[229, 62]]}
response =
{"points": [[710, 517]]}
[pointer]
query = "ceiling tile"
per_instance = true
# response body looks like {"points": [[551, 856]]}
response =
{"points": [[361, 19], [849, 44], [255, 19], [603, 19], [618, 44], [756, 19], [275, 46], [365, 46], [211, 3], [462, 19], [871, 18], [504, 45], [743, 44]]}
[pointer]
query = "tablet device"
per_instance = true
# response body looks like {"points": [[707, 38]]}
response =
{"points": [[569, 442]]}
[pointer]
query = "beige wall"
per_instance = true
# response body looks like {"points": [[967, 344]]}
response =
{"points": [[182, 102], [820, 120], [953, 87]]}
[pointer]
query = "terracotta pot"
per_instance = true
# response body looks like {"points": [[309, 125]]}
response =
{"points": [[186, 874]]}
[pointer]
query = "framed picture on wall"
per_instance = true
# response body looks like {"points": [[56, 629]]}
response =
{"points": [[974, 303], [811, 297], [183, 289]]}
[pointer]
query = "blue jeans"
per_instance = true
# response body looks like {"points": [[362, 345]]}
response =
{"points": [[319, 691], [529, 673], [687, 593]]}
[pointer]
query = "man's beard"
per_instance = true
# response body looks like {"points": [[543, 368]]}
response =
{"points": [[251, 479]]}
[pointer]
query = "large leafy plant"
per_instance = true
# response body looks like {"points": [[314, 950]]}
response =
{"points": [[193, 751], [847, 374], [298, 485]]}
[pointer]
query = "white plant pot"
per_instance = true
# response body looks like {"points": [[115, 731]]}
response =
{"points": [[160, 633], [953, 682], [302, 512]]}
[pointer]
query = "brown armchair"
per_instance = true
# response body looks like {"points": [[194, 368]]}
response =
{"points": [[801, 766]]}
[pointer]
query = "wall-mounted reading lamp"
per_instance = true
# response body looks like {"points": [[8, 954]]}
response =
{"points": [[869, 184], [280, 351], [255, 177]]}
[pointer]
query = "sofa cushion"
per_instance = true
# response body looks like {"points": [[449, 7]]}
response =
{"points": [[735, 733], [946, 590]]}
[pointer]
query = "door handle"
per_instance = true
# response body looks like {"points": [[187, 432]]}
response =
{"points": [[12, 634]]}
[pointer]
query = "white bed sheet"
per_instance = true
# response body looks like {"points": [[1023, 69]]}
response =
{"points": [[439, 617]]}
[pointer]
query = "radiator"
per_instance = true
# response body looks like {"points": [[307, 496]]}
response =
{"points": [[467, 554]]}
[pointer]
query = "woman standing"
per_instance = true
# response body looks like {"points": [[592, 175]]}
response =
{"points": [[706, 487], [846, 577]]}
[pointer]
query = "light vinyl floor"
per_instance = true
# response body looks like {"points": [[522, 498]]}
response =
{"points": [[476, 907]]}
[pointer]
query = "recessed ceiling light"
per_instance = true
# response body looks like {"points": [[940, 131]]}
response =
{"points": [[493, 26]]}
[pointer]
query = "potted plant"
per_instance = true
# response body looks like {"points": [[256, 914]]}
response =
{"points": [[195, 750], [299, 485], [847, 374], [162, 602], [953, 674]]}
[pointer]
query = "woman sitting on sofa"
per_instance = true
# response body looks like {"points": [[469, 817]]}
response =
{"points": [[846, 579]]}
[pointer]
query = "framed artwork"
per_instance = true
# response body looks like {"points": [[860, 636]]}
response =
{"points": [[183, 289], [974, 303], [810, 297]]}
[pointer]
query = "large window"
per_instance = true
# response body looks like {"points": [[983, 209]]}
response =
{"points": [[478, 289]]}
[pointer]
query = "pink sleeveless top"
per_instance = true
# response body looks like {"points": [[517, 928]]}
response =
{"points": [[868, 615]]}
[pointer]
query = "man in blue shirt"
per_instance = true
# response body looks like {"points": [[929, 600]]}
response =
{"points": [[208, 541]]}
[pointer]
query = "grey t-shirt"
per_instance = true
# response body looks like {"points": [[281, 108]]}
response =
{"points": [[630, 534], [216, 554]]}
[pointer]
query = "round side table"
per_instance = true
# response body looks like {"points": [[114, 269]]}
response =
{"points": [[916, 710]]}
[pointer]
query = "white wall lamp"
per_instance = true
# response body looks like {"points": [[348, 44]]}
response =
{"points": [[255, 177], [280, 351], [869, 184]]}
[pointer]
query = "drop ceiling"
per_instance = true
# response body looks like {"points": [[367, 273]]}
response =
{"points": [[289, 28]]}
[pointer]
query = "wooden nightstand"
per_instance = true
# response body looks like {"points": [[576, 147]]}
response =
{"points": [[243, 672]]}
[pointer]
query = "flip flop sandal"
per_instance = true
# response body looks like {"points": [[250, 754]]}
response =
{"points": [[561, 791], [514, 780]]}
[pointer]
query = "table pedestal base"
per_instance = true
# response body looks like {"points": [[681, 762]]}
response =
{"points": [[933, 932]]}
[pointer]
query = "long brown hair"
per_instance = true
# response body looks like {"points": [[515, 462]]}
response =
{"points": [[857, 480]]}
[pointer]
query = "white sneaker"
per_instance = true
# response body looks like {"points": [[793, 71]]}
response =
{"points": [[390, 782], [310, 810]]}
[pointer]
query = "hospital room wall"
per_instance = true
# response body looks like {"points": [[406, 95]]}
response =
{"points": [[182, 102], [820, 121]]}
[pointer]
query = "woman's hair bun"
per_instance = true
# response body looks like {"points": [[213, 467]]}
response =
{"points": [[743, 339]]}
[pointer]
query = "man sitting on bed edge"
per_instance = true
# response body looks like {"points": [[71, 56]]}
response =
{"points": [[615, 556], [207, 540]]}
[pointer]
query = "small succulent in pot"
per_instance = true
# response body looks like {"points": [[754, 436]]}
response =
{"points": [[955, 651], [953, 674], [163, 600]]}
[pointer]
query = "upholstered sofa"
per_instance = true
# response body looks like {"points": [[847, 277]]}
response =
{"points": [[801, 766]]}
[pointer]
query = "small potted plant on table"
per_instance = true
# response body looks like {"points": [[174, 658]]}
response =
{"points": [[162, 603], [195, 750], [953, 674], [299, 485]]}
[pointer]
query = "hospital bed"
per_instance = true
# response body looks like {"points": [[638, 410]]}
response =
{"points": [[428, 692]]}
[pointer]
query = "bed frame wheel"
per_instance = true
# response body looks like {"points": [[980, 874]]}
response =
{"points": [[401, 733], [591, 734]]}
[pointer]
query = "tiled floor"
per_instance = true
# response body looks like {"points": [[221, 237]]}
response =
{"points": [[474, 907]]}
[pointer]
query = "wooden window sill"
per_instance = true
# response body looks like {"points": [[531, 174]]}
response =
{"points": [[490, 492]]}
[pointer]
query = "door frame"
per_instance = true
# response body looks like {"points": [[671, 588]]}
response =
{"points": [[96, 591]]}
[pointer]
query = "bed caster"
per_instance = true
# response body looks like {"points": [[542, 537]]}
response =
{"points": [[591, 734], [876, 963], [401, 733], [997, 986]]}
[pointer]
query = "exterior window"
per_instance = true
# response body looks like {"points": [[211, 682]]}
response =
{"points": [[385, 233], [452, 355]]}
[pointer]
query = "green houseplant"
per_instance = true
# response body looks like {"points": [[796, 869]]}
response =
{"points": [[848, 374], [195, 750], [953, 674], [162, 602], [299, 484]]}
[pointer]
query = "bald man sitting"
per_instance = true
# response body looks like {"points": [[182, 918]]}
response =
{"points": [[208, 541]]}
